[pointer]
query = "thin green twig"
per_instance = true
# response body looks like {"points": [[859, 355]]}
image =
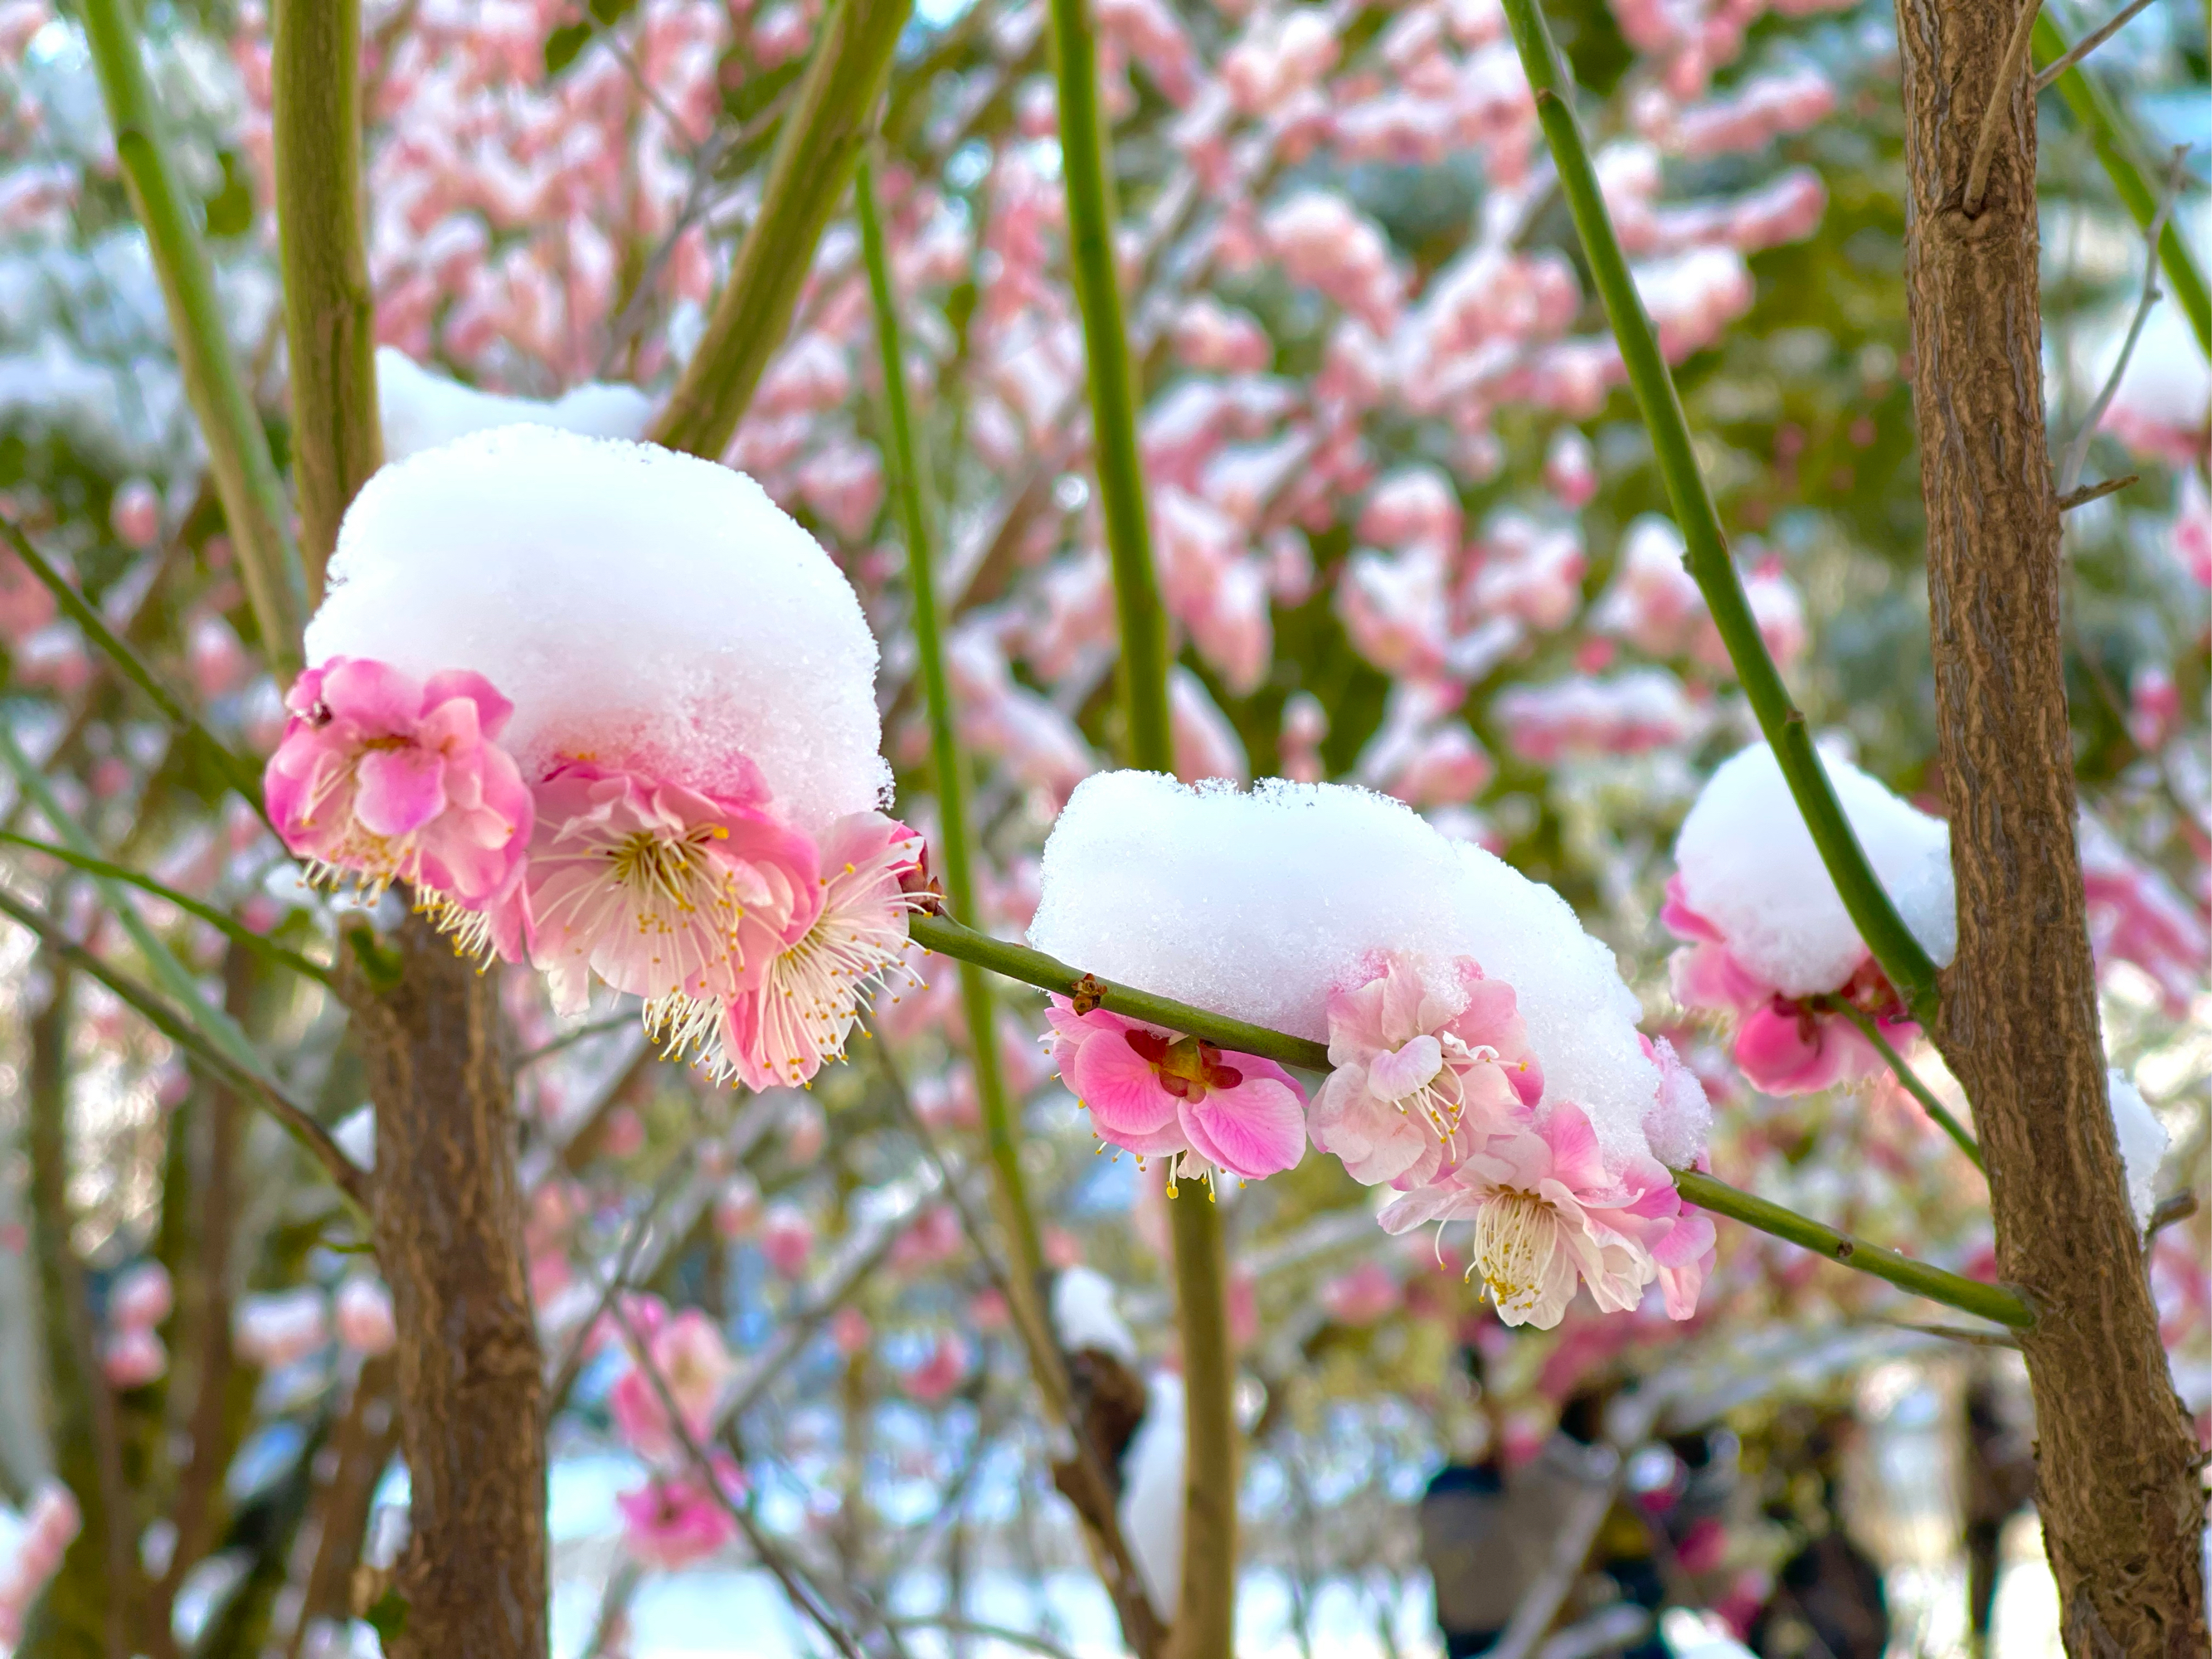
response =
{"points": [[948, 762], [251, 1082], [230, 927], [1871, 1028], [244, 473], [1900, 954], [240, 773]]}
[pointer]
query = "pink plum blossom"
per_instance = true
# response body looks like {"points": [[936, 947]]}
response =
{"points": [[786, 1239], [1785, 1046], [666, 893], [1544, 1208], [674, 1521], [384, 778], [362, 1313], [140, 1297], [1157, 1094], [279, 1327], [797, 1011], [1361, 1297], [1432, 1061], [694, 1364], [133, 1356], [938, 1376]]}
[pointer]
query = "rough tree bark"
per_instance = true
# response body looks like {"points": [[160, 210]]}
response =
{"points": [[449, 1237], [2122, 1507]]}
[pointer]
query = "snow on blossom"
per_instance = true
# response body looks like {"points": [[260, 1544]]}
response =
{"points": [[675, 1520], [1258, 904], [1588, 716], [419, 409], [2143, 1138], [1749, 868], [1159, 1095], [644, 609], [1431, 1061], [386, 778], [694, 1364], [781, 1027]]}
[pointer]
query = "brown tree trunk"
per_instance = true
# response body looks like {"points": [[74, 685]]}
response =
{"points": [[449, 1237], [2117, 1483]]}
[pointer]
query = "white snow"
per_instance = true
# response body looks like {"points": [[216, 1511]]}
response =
{"points": [[640, 607], [1257, 904], [1150, 1510], [419, 409], [1749, 865], [1084, 1315], [2143, 1142]]}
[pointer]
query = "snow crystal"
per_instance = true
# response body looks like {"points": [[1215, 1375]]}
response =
{"points": [[1257, 904], [644, 608], [419, 409], [1150, 1510], [1084, 1315], [1749, 866], [2143, 1142]]}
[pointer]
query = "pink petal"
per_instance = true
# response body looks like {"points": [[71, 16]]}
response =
{"points": [[1393, 1075], [1679, 919], [1576, 1160], [493, 710], [401, 789], [372, 696], [1120, 1089], [1253, 1130]]}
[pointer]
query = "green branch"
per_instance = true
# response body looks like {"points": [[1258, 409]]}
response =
{"points": [[1991, 1302], [814, 157], [240, 773], [1900, 955], [2113, 132], [1035, 968], [949, 764], [228, 925], [245, 476], [251, 1081], [330, 311], [1143, 661], [1920, 1091]]}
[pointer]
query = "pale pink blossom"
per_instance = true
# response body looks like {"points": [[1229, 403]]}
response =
{"points": [[2193, 527], [135, 512], [1432, 1061], [937, 1377], [795, 1014], [1545, 1210], [786, 1239], [385, 779], [2138, 915], [140, 1297], [277, 1329], [694, 1364], [362, 1313], [850, 1333], [1305, 724], [664, 892], [1160, 1095], [1362, 1296], [934, 1239], [1416, 505], [1582, 716], [1220, 339], [1570, 468], [1530, 571], [133, 1356], [50, 1526], [675, 1520], [737, 1207], [1206, 744], [2153, 708]]}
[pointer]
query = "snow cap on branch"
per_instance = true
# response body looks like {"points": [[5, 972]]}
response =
{"points": [[1258, 904], [1749, 865], [642, 609]]}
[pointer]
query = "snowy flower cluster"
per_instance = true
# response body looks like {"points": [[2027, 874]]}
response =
{"points": [[675, 1359], [1486, 1060], [604, 707], [1770, 947]]}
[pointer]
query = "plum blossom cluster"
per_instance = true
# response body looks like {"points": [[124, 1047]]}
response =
{"points": [[1769, 947], [672, 1359], [1485, 1059], [597, 779]]}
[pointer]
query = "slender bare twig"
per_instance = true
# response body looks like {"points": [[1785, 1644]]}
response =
{"points": [[2179, 1207], [2000, 104], [1012, 1638], [1957, 1334], [2096, 492], [2077, 453], [2088, 44], [571, 1362]]}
